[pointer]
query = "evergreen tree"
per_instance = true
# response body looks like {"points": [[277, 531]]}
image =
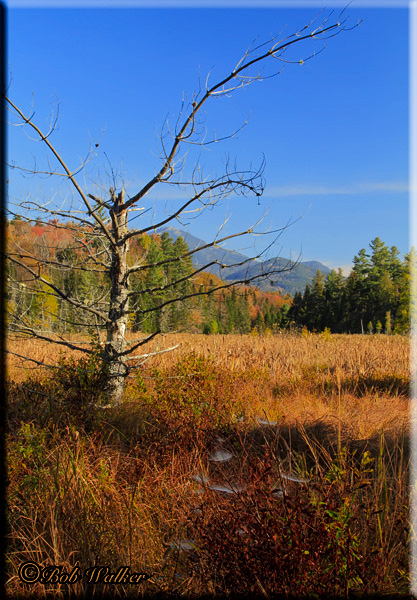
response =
{"points": [[361, 264], [381, 295], [316, 303], [284, 318], [293, 313], [357, 294], [305, 311], [268, 312], [334, 301], [153, 294], [260, 322], [177, 314], [395, 266], [380, 258], [406, 309]]}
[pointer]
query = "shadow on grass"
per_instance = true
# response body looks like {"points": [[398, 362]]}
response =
{"points": [[294, 509]]}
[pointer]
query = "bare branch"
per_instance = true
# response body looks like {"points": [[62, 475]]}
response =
{"points": [[243, 281], [146, 357], [275, 51], [59, 292], [78, 275], [70, 175]]}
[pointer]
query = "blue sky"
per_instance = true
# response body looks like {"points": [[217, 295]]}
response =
{"points": [[334, 131]]}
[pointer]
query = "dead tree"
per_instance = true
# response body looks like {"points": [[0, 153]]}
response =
{"points": [[99, 227]]}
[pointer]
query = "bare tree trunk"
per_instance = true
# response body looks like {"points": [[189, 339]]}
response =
{"points": [[116, 326], [98, 233]]}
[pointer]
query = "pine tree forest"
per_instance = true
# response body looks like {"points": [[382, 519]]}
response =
{"points": [[373, 298]]}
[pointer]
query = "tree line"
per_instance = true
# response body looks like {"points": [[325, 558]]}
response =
{"points": [[167, 274], [373, 298]]}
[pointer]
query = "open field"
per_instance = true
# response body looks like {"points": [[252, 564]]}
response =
{"points": [[116, 486], [362, 380]]}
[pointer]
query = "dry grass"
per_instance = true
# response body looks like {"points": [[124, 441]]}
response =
{"points": [[118, 489], [283, 354], [359, 380]]}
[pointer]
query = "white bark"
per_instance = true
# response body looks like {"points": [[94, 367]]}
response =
{"points": [[117, 320], [107, 244]]}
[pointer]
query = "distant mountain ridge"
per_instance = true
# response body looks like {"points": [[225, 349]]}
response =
{"points": [[287, 283]]}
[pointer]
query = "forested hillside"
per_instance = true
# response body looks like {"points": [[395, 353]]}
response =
{"points": [[84, 280], [375, 297]]}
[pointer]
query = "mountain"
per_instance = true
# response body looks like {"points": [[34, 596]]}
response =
{"points": [[231, 267], [293, 276], [208, 255]]}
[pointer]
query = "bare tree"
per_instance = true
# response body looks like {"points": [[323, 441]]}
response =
{"points": [[99, 227]]}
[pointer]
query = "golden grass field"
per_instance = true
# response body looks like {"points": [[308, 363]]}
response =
{"points": [[347, 377], [117, 488]]}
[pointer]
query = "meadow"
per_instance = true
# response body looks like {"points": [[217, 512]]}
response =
{"points": [[236, 464]]}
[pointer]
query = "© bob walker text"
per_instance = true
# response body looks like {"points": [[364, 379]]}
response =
{"points": [[31, 572]]}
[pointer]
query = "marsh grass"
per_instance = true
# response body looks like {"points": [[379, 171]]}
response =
{"points": [[96, 486]]}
